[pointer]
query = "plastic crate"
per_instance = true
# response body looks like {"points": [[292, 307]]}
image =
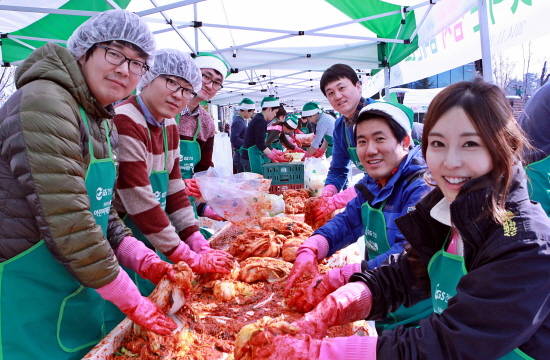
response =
{"points": [[284, 173], [278, 189]]}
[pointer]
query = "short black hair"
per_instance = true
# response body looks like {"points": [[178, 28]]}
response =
{"points": [[132, 46], [398, 132], [336, 72]]}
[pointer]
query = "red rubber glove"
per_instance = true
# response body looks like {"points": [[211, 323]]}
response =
{"points": [[325, 284], [192, 188], [133, 254], [124, 294], [307, 256], [300, 347], [210, 213], [209, 261], [335, 202], [348, 303]]}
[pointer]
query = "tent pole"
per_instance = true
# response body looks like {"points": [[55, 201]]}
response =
{"points": [[169, 21], [113, 4], [485, 41], [196, 28], [157, 9], [386, 80]]}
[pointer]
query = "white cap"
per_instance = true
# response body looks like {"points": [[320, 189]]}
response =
{"points": [[397, 114], [211, 61], [111, 25], [176, 63]]}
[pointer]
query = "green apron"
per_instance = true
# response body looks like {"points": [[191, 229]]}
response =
{"points": [[305, 130], [45, 313], [257, 159], [376, 243], [445, 271], [352, 151], [539, 182], [190, 152], [330, 142], [159, 183]]}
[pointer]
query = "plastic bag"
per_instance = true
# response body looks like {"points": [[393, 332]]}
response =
{"points": [[222, 156], [241, 198], [315, 174]]}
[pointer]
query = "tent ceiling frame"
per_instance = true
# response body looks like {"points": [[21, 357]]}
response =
{"points": [[22, 37], [44, 10], [319, 54], [169, 21], [113, 4]]}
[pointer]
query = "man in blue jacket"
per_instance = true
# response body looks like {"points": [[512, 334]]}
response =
{"points": [[238, 130], [342, 88], [391, 187]]}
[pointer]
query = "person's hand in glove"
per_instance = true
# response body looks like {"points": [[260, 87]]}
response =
{"points": [[309, 253], [124, 294], [192, 188], [197, 242], [133, 254], [276, 156], [209, 261], [300, 347], [211, 214], [329, 190], [332, 203], [346, 304], [324, 284]]}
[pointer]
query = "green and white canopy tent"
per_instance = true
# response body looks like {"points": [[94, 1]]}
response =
{"points": [[273, 47]]}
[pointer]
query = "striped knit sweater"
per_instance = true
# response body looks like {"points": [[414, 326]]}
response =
{"points": [[138, 155]]}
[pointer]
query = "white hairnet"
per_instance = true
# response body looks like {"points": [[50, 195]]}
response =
{"points": [[176, 63], [109, 26]]}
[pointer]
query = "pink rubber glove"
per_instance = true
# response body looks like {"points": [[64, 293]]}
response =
{"points": [[210, 213], [348, 303], [276, 156], [133, 254], [319, 153], [210, 261], [325, 284], [309, 253], [124, 294], [197, 242], [329, 190], [192, 188], [287, 347], [335, 202]]}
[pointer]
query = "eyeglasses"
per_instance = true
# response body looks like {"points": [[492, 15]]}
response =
{"points": [[250, 110], [206, 80], [115, 57], [174, 86]]}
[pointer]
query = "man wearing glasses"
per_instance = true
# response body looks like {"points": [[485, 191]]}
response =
{"points": [[238, 130], [150, 191], [60, 237]]}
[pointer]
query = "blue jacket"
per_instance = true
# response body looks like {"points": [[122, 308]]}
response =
{"points": [[338, 171], [402, 192], [238, 130], [501, 303]]}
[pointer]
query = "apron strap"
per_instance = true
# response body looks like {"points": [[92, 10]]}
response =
{"points": [[164, 141], [105, 124], [198, 129]]}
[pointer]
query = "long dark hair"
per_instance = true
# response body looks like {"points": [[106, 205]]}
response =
{"points": [[491, 114]]}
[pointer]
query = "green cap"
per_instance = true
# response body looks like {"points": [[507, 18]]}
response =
{"points": [[310, 108], [270, 102]]}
